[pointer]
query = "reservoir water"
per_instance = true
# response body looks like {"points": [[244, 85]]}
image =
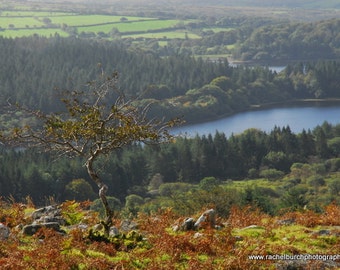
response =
{"points": [[297, 118]]}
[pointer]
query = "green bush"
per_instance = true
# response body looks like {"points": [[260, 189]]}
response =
{"points": [[271, 174], [209, 183], [79, 190], [97, 205]]}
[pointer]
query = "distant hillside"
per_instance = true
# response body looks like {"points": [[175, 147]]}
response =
{"points": [[297, 3], [275, 3], [326, 4], [313, 4], [293, 10]]}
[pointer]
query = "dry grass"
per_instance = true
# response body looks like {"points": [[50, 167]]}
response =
{"points": [[162, 248]]}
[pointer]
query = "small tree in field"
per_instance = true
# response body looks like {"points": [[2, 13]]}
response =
{"points": [[90, 128]]}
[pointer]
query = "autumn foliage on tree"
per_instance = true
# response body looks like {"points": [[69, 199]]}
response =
{"points": [[96, 121]]}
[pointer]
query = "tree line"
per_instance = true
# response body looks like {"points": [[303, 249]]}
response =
{"points": [[178, 85], [32, 67], [260, 39], [240, 88], [131, 170], [292, 41]]}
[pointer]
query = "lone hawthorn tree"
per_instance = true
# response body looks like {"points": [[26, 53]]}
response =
{"points": [[90, 128]]}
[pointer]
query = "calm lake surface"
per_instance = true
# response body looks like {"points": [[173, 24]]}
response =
{"points": [[297, 118]]}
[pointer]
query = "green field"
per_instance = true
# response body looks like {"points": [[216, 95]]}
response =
{"points": [[31, 32], [141, 26], [165, 35], [217, 29], [86, 20], [26, 13], [21, 23]]}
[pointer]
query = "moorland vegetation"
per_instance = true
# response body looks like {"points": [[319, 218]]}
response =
{"points": [[244, 235]]}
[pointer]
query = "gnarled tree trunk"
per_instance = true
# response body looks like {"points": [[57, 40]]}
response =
{"points": [[102, 194]]}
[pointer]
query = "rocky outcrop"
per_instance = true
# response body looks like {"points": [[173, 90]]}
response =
{"points": [[48, 214], [31, 229], [4, 232], [207, 219], [288, 221], [188, 224], [128, 225], [51, 217], [46, 217]]}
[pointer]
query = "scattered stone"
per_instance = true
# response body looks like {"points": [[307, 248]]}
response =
{"points": [[286, 265], [198, 235], [34, 227], [324, 232], [208, 217], [18, 228], [51, 213], [219, 227], [303, 264], [113, 231], [46, 217], [98, 227], [187, 225], [128, 225], [288, 221], [252, 227], [238, 238], [83, 227], [43, 211], [226, 224], [4, 232], [175, 228]]}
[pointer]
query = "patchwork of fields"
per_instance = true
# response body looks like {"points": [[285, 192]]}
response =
{"points": [[27, 23]]}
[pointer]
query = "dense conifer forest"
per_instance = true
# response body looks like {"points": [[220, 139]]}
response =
{"points": [[177, 85], [307, 158]]}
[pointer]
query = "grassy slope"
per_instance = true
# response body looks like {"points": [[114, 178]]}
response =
{"points": [[29, 23], [141, 26], [30, 32], [32, 20]]}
